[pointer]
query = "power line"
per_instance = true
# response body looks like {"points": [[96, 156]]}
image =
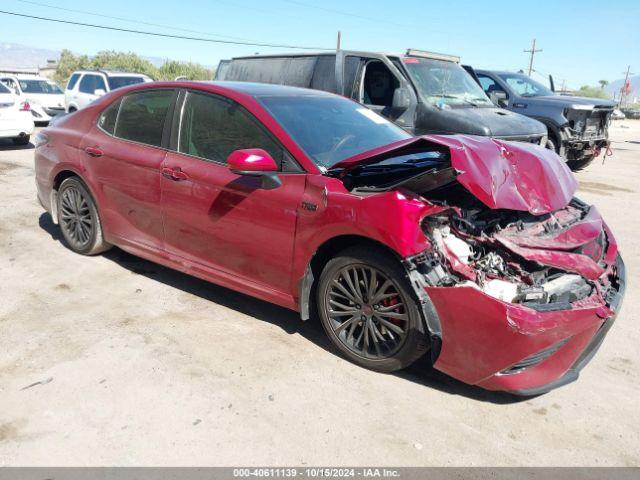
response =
{"points": [[166, 35], [130, 20]]}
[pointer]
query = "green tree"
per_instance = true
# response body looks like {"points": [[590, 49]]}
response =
{"points": [[124, 62], [603, 83], [171, 70], [128, 62], [589, 91], [69, 63]]}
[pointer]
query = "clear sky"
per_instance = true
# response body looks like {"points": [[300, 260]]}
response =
{"points": [[583, 41]]}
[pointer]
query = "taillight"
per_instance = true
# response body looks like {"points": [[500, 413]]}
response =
{"points": [[25, 107]]}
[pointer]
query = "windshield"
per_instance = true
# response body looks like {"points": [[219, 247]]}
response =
{"points": [[524, 86], [4, 89], [39, 86], [331, 129], [445, 83], [119, 82]]}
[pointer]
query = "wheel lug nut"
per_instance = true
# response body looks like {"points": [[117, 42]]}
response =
{"points": [[358, 307]]}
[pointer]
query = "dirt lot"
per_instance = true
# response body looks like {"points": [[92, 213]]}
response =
{"points": [[116, 361]]}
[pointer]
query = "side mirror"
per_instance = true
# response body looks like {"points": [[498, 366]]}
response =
{"points": [[255, 162], [498, 98], [99, 92], [401, 99]]}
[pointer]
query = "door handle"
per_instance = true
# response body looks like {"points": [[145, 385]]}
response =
{"points": [[174, 173], [93, 151]]}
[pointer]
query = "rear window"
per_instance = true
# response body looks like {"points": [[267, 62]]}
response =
{"points": [[119, 82], [4, 89], [39, 86], [142, 116], [72, 81], [107, 120]]}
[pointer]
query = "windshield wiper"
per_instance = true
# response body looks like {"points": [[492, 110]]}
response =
{"points": [[456, 97]]}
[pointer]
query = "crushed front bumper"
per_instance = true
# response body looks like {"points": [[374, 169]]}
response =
{"points": [[588, 353], [482, 338]]}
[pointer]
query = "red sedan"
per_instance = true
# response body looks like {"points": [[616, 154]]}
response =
{"points": [[470, 249]]}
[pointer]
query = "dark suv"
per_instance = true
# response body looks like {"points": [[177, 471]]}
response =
{"points": [[422, 92], [578, 126]]}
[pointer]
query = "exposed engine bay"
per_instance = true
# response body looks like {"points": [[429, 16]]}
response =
{"points": [[480, 248], [547, 261]]}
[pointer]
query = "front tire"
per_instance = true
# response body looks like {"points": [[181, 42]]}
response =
{"points": [[577, 165], [78, 218], [367, 308]]}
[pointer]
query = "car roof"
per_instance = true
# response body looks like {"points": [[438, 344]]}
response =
{"points": [[267, 89], [407, 54], [28, 77], [113, 73]]}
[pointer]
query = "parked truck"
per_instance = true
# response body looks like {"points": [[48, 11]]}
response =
{"points": [[578, 126], [422, 92]]}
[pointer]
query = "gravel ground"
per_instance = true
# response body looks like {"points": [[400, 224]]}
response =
{"points": [[114, 360]]}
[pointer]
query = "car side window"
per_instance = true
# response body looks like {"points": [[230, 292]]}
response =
{"points": [[72, 81], [90, 83], [12, 85], [212, 128], [489, 84], [142, 116], [107, 120]]}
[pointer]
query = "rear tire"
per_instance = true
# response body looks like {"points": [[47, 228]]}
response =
{"points": [[79, 220], [24, 140], [369, 312], [577, 165]]}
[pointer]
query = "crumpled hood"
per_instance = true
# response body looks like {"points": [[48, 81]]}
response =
{"points": [[502, 175]]}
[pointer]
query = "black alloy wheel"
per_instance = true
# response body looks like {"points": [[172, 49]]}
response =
{"points": [[78, 218], [369, 312]]}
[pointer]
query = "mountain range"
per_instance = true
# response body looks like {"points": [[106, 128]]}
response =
{"points": [[13, 55]]}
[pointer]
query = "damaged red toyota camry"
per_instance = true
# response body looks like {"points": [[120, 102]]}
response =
{"points": [[471, 250]]}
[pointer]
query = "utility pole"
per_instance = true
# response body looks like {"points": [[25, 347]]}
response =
{"points": [[624, 85], [533, 51], [339, 39]]}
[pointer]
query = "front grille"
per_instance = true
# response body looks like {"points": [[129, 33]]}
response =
{"points": [[587, 125], [534, 359]]}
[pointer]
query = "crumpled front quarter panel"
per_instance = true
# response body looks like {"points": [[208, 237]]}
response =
{"points": [[391, 218]]}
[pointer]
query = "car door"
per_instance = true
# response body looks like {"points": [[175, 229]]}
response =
{"points": [[492, 86], [71, 91], [91, 87], [224, 224], [123, 155]]}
